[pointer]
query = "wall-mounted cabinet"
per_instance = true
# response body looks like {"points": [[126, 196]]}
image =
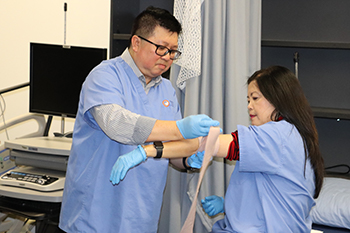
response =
{"points": [[123, 14], [323, 70], [318, 31]]}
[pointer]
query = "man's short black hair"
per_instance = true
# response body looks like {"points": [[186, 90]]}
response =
{"points": [[145, 23]]}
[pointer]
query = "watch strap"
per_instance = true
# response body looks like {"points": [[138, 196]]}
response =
{"points": [[159, 147], [185, 165]]}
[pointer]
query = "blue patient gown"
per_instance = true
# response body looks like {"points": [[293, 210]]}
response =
{"points": [[90, 202], [268, 191]]}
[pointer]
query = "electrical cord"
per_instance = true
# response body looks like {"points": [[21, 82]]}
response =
{"points": [[2, 114], [2, 110]]}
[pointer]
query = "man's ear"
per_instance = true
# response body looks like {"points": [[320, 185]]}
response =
{"points": [[135, 43]]}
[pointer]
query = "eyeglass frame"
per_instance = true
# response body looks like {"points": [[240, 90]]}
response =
{"points": [[169, 51]]}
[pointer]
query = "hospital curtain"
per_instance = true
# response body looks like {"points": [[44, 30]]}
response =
{"points": [[229, 54]]}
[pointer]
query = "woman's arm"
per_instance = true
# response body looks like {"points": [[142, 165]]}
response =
{"points": [[224, 144]]}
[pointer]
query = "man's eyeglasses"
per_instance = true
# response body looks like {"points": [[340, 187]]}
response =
{"points": [[162, 50]]}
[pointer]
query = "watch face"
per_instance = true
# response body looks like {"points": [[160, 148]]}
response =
{"points": [[158, 144]]}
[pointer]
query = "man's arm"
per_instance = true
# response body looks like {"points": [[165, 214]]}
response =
{"points": [[173, 149], [127, 127], [164, 131], [121, 124]]}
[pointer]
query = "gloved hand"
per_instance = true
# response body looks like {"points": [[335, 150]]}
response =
{"points": [[196, 160], [125, 162], [213, 205], [195, 126]]}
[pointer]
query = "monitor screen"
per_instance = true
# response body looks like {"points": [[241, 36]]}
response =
{"points": [[56, 75]]}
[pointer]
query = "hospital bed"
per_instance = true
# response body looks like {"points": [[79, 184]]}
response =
{"points": [[332, 211]]}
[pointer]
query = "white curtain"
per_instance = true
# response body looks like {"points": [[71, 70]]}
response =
{"points": [[230, 53]]}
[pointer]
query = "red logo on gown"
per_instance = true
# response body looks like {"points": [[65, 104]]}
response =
{"points": [[166, 103]]}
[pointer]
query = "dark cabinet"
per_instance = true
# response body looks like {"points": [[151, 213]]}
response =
{"points": [[318, 31], [123, 13]]}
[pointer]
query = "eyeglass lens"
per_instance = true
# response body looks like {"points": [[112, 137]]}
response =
{"points": [[162, 50]]}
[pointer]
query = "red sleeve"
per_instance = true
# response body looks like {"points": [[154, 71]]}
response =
{"points": [[233, 150]]}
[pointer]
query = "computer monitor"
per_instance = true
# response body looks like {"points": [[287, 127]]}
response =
{"points": [[57, 73]]}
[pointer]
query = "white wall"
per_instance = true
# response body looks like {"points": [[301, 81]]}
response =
{"points": [[42, 21]]}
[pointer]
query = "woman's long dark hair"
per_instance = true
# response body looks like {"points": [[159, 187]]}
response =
{"points": [[282, 89]]}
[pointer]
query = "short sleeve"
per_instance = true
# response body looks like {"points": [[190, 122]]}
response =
{"points": [[261, 148]]}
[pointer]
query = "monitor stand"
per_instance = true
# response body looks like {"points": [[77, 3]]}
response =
{"points": [[62, 133], [62, 124]]}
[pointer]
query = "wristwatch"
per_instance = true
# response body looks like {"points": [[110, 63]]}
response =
{"points": [[159, 147], [185, 165]]}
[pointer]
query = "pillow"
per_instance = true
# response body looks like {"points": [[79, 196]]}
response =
{"points": [[333, 204]]}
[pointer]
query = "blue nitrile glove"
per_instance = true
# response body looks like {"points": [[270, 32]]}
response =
{"points": [[195, 126], [125, 162], [195, 160], [213, 205]]}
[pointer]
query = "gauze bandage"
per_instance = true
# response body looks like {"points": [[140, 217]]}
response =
{"points": [[203, 142], [209, 149]]}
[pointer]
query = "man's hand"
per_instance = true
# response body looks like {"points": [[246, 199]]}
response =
{"points": [[125, 162], [195, 160], [195, 126]]}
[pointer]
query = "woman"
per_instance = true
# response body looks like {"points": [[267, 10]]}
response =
{"points": [[279, 169]]}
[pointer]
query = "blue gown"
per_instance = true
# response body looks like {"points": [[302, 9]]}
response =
{"points": [[268, 191], [90, 202]]}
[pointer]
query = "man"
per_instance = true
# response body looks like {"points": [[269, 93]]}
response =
{"points": [[125, 102]]}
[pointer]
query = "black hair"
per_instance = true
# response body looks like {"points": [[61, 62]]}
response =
{"points": [[145, 23]]}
